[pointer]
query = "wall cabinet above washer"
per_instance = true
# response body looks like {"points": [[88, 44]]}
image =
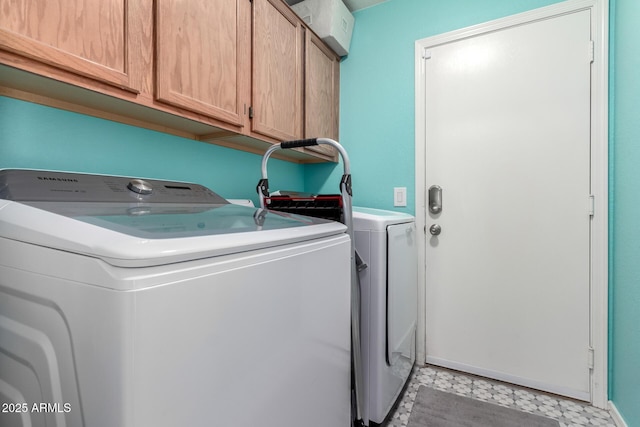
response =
{"points": [[199, 48], [91, 40], [322, 92], [277, 77]]}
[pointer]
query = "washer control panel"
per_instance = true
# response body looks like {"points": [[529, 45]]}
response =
{"points": [[38, 185]]}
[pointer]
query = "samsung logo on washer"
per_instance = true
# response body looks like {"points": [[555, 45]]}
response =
{"points": [[50, 178]]}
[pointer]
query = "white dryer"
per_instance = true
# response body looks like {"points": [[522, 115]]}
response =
{"points": [[386, 242], [134, 303]]}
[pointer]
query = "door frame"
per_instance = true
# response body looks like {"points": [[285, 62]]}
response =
{"points": [[599, 269]]}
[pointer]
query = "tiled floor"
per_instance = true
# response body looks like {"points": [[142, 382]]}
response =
{"points": [[569, 413]]}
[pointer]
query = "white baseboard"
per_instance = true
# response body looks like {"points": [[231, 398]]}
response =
{"points": [[617, 418]]}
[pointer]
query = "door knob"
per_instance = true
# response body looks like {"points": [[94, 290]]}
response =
{"points": [[435, 229]]}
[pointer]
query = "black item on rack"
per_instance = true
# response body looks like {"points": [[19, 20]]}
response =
{"points": [[326, 206]]}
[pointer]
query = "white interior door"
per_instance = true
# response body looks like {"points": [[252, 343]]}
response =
{"points": [[507, 121]]}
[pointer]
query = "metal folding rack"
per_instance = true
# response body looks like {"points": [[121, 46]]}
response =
{"points": [[337, 208]]}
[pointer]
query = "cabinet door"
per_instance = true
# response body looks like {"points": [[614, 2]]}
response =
{"points": [[277, 70], [322, 80], [199, 56], [92, 38]]}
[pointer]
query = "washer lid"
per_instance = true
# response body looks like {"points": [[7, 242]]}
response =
{"points": [[138, 236], [133, 222]]}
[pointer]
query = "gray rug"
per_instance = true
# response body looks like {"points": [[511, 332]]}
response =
{"points": [[434, 408]]}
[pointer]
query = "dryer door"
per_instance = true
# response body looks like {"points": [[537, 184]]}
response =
{"points": [[402, 294]]}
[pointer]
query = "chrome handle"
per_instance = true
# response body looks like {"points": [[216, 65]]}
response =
{"points": [[435, 230], [435, 199]]}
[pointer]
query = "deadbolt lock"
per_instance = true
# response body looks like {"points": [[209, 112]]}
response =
{"points": [[435, 199]]}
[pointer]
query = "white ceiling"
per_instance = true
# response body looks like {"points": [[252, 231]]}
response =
{"points": [[352, 5]]}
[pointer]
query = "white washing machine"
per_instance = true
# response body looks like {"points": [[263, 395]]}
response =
{"points": [[386, 242], [131, 303]]}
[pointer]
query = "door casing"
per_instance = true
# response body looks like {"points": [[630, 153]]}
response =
{"points": [[599, 172]]}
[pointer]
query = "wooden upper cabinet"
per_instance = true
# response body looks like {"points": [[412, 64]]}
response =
{"points": [[322, 88], [92, 38], [277, 71], [239, 73], [200, 56]]}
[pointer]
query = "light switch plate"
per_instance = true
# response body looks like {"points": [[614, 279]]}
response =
{"points": [[400, 196]]}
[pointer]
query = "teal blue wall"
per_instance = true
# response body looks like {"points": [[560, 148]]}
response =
{"points": [[34, 136], [624, 386], [377, 127]]}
